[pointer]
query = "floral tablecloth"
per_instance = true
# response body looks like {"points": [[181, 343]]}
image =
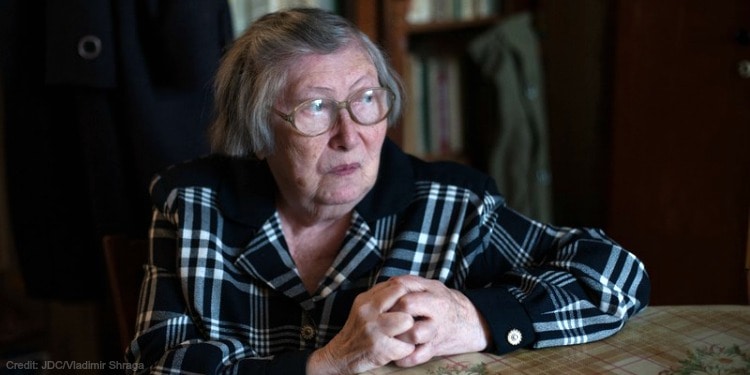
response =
{"points": [[661, 340]]}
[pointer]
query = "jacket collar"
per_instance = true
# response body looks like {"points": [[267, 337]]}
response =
{"points": [[248, 193]]}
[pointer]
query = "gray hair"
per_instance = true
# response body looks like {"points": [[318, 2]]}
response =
{"points": [[254, 72]]}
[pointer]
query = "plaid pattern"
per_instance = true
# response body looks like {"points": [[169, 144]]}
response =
{"points": [[221, 294]]}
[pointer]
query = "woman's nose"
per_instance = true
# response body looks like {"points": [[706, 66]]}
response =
{"points": [[345, 131]]}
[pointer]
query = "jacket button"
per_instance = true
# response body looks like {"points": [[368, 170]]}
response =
{"points": [[89, 47], [514, 337], [307, 332]]}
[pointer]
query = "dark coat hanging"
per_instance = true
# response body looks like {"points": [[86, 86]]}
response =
{"points": [[98, 95]]}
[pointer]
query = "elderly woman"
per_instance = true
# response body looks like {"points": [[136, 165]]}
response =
{"points": [[310, 243]]}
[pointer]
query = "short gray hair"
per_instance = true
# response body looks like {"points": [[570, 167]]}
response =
{"points": [[254, 72]]}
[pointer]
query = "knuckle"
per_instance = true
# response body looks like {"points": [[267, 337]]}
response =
{"points": [[361, 310], [397, 282]]}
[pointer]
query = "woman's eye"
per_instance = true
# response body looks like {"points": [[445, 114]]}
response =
{"points": [[317, 106], [367, 97]]}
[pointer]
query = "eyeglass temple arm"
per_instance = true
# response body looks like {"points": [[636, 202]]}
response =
{"points": [[287, 118]]}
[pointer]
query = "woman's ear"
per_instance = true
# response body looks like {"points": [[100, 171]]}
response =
{"points": [[260, 155]]}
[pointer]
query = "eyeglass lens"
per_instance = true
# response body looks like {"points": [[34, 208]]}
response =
{"points": [[366, 107]]}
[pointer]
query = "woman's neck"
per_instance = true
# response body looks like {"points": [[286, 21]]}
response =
{"points": [[314, 242]]}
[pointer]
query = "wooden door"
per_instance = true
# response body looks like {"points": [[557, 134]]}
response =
{"points": [[681, 146]]}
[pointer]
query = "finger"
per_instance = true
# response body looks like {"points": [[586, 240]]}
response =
{"points": [[421, 354], [415, 304], [384, 295], [409, 285], [414, 283], [388, 351], [394, 350], [421, 332], [425, 305], [392, 324]]}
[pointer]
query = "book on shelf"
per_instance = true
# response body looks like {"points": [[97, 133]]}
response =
{"points": [[433, 121], [426, 11], [414, 141]]}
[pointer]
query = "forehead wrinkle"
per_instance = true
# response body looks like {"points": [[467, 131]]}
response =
{"points": [[320, 92], [322, 65]]}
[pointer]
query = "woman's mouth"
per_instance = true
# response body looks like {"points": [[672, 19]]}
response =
{"points": [[345, 169]]}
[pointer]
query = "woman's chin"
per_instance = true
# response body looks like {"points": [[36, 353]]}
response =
{"points": [[344, 196]]}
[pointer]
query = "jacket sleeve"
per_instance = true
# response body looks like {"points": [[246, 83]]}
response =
{"points": [[169, 342], [562, 285]]}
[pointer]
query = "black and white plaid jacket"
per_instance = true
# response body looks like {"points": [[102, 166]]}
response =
{"points": [[221, 294]]}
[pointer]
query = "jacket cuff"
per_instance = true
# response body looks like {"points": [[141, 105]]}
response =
{"points": [[510, 325]]}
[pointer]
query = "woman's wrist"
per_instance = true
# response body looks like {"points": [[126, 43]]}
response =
{"points": [[321, 362]]}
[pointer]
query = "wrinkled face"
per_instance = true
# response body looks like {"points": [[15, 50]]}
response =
{"points": [[338, 167]]}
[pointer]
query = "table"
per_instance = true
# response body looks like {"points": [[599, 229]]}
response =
{"points": [[661, 340]]}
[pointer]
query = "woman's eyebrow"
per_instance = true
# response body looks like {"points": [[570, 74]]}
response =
{"points": [[315, 91], [362, 78]]}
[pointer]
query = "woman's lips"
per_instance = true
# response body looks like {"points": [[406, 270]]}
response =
{"points": [[345, 169]]}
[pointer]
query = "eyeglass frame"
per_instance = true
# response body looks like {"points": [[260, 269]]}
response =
{"points": [[339, 106]]}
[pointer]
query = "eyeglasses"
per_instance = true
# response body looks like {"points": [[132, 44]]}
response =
{"points": [[316, 116]]}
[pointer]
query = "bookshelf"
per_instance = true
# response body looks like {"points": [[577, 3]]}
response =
{"points": [[447, 100]]}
